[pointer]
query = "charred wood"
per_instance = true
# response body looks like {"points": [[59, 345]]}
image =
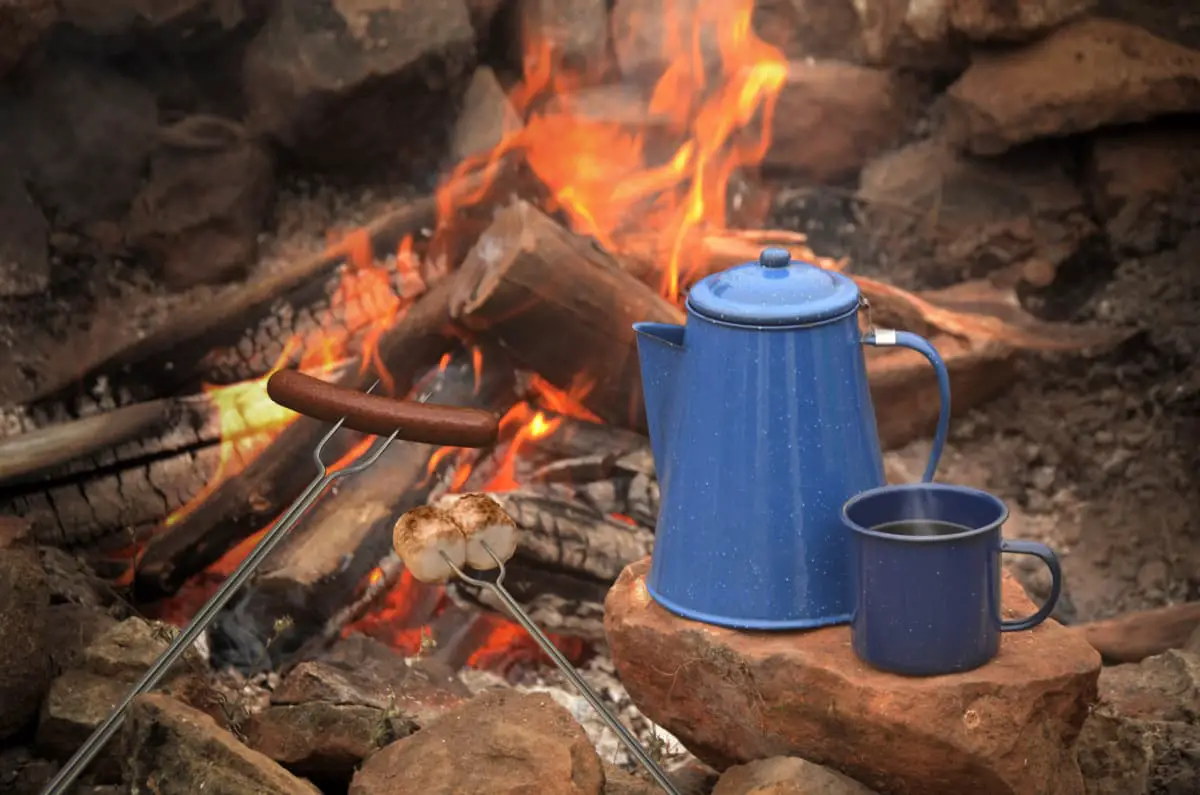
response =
{"points": [[315, 574], [570, 552], [172, 358], [562, 308], [246, 503], [127, 437]]}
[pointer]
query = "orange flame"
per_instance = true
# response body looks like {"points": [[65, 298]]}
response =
{"points": [[663, 179]]}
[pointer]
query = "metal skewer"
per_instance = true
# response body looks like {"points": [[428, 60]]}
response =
{"points": [[205, 616], [624, 735]]}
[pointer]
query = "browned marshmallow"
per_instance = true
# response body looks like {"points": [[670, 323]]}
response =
{"points": [[422, 536], [484, 522]]}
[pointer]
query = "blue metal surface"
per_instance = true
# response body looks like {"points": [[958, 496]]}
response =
{"points": [[926, 606], [774, 291], [760, 434]]}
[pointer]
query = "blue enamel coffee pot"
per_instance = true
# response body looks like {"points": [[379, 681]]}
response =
{"points": [[761, 426]]}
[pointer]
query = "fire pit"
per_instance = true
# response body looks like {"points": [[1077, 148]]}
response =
{"points": [[477, 217]]}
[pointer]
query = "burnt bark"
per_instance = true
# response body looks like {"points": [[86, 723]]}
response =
{"points": [[571, 549], [179, 356], [243, 504], [317, 571], [562, 308]]}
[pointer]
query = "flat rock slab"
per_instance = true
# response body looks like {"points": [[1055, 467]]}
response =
{"points": [[1086, 75], [734, 697]]}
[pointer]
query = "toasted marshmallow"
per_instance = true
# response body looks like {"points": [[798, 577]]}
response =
{"points": [[421, 537], [483, 521]]}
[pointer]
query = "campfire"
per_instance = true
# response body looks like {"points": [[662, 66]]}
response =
{"points": [[583, 191], [578, 208]]}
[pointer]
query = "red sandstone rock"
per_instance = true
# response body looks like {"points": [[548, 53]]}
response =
{"points": [[1089, 74], [731, 697], [502, 743], [954, 217], [831, 118], [174, 749], [1145, 185], [786, 775]]}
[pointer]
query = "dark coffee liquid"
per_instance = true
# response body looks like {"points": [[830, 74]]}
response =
{"points": [[921, 528]]}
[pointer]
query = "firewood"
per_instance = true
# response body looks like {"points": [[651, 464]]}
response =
{"points": [[1133, 637], [247, 502], [131, 436], [562, 308], [168, 359], [314, 574], [568, 555]]}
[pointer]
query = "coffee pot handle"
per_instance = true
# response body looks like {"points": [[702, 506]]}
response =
{"points": [[904, 339]]}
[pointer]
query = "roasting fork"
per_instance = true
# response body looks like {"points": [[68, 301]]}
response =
{"points": [[514, 607], [208, 613], [392, 419]]}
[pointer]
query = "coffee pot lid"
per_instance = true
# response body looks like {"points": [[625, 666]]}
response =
{"points": [[776, 290]]}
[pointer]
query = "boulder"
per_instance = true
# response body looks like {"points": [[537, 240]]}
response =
{"points": [[786, 775], [905, 33], [831, 118], [811, 28], [565, 38], [323, 741], [327, 716], [1088, 74], [1144, 184], [177, 750], [731, 697], [117, 17], [70, 628], [952, 217], [501, 742], [81, 134], [487, 117], [334, 80], [24, 616], [203, 206], [22, 25], [648, 36], [100, 676], [24, 250], [1144, 736], [1165, 687]]}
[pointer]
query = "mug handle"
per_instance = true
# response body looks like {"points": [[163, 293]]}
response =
{"points": [[1047, 556], [905, 339]]}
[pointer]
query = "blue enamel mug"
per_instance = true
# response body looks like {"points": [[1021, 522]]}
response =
{"points": [[927, 575]]}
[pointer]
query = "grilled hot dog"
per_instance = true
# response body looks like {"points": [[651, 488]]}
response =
{"points": [[416, 422]]}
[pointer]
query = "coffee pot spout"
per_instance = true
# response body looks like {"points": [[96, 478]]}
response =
{"points": [[660, 352]]}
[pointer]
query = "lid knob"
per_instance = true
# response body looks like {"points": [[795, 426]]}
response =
{"points": [[775, 258]]}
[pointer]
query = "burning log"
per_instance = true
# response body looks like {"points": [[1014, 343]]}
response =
{"points": [[127, 437], [172, 358], [243, 504], [315, 574], [568, 555], [562, 308]]}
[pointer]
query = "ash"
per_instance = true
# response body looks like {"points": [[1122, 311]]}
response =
{"points": [[601, 675]]}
